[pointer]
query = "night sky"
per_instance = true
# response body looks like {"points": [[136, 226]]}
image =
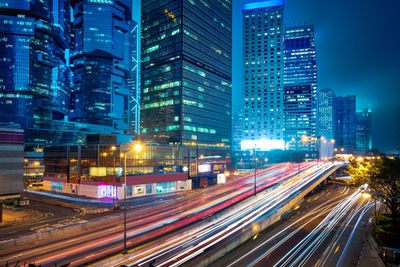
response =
{"points": [[358, 52]]}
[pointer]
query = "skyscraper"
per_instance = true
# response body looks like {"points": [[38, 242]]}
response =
{"points": [[101, 62], [186, 72], [300, 91], [133, 81], [364, 136], [326, 112], [34, 73], [345, 129], [263, 49]]}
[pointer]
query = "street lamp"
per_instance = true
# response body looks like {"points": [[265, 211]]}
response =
{"points": [[136, 148], [113, 148], [255, 172]]}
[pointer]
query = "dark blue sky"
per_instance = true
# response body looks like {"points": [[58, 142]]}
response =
{"points": [[358, 52]]}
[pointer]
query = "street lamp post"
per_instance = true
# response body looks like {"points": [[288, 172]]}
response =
{"points": [[255, 172], [137, 148], [124, 252]]}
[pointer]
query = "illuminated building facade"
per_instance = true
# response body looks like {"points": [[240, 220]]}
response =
{"points": [[263, 54], [186, 72], [346, 123], [34, 73], [326, 121], [101, 62], [97, 170], [364, 135], [300, 91]]}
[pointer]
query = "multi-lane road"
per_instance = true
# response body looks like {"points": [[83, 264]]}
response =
{"points": [[147, 224], [174, 233], [221, 231], [327, 231]]}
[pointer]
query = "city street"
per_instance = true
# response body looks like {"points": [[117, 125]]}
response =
{"points": [[145, 224], [204, 237], [326, 230]]}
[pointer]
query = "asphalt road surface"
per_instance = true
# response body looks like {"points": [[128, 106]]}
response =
{"points": [[326, 230]]}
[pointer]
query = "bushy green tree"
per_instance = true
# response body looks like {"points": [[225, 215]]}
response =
{"points": [[385, 182], [360, 171]]}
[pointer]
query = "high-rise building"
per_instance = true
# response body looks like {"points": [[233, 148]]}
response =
{"points": [[299, 119], [326, 122], [186, 72], [101, 62], [34, 73], [133, 81], [346, 123], [300, 88], [364, 137], [263, 54], [237, 129]]}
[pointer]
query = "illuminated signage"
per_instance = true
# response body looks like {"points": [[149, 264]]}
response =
{"points": [[221, 179], [262, 144], [107, 191], [204, 168], [263, 4]]}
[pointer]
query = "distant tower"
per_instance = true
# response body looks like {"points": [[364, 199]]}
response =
{"points": [[325, 126], [364, 136], [263, 50], [300, 91], [346, 123]]}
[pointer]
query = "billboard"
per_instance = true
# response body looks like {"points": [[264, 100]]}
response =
{"points": [[262, 144]]}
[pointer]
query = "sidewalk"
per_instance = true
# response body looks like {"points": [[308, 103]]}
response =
{"points": [[369, 255], [24, 215]]}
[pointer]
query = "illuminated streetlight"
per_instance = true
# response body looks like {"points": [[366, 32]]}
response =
{"points": [[36, 163], [136, 148], [113, 148], [304, 138], [366, 195], [360, 159]]}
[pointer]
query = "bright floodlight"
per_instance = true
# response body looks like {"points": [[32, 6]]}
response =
{"points": [[138, 147]]}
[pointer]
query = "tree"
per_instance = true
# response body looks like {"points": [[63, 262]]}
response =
{"points": [[385, 182], [360, 171]]}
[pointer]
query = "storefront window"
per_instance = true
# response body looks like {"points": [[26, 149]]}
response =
{"points": [[165, 187], [56, 186], [138, 189], [149, 188]]}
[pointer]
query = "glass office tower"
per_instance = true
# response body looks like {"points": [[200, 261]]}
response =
{"points": [[326, 121], [364, 135], [101, 62], [34, 72], [346, 123], [263, 49], [300, 92], [186, 72]]}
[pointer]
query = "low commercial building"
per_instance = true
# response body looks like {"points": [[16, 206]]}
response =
{"points": [[98, 171], [11, 161]]}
